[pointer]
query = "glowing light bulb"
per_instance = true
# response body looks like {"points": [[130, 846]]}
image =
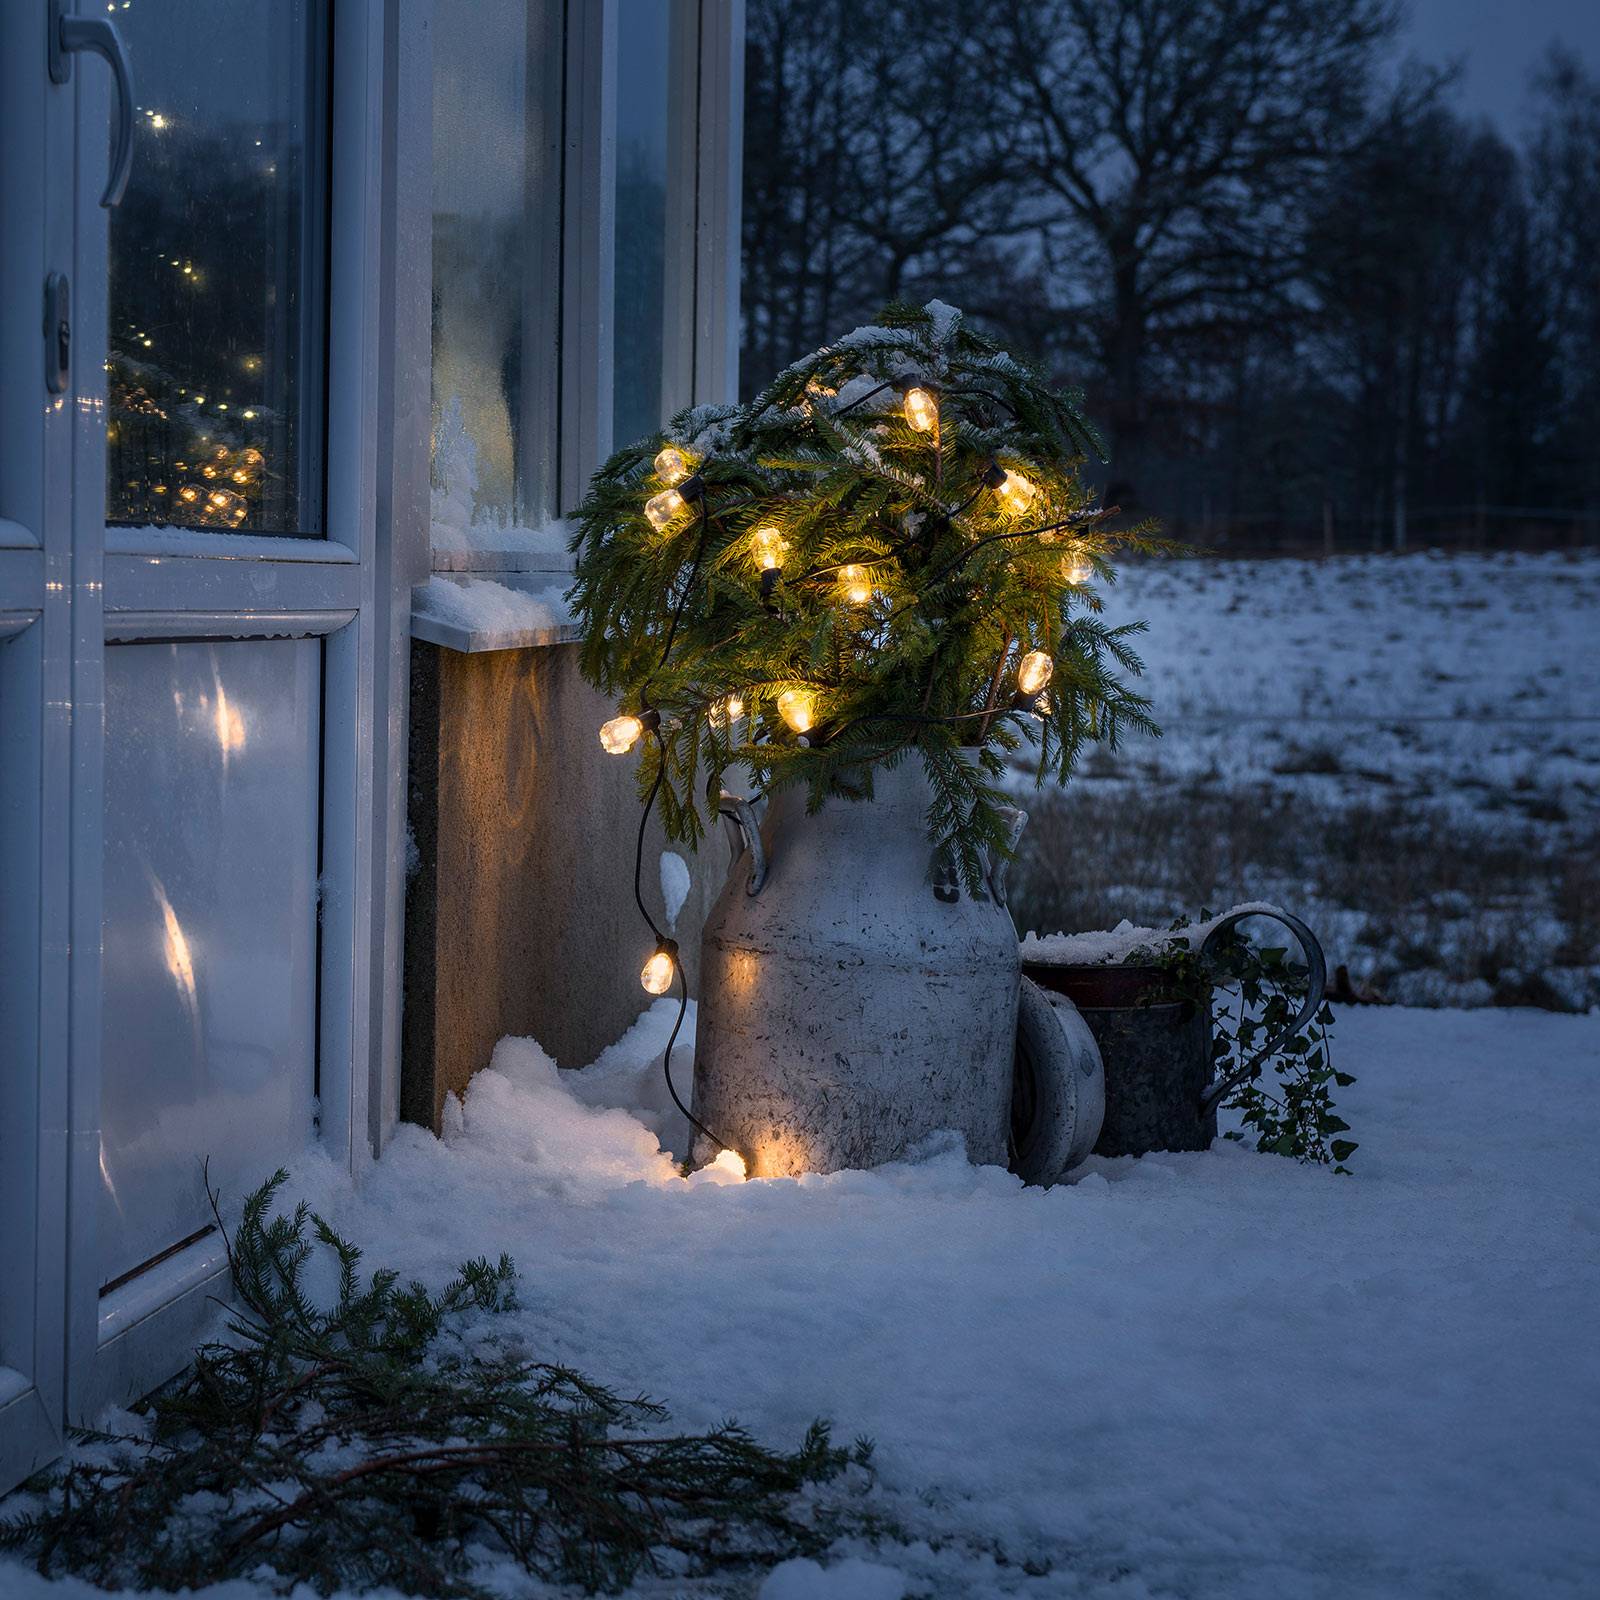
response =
{"points": [[239, 475], [734, 707], [672, 465], [798, 708], [1034, 671], [1016, 493], [659, 971], [922, 410], [662, 508], [219, 499], [620, 735], [1077, 569], [853, 581], [189, 492], [770, 548]]}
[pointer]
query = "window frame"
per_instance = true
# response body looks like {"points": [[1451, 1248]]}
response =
{"points": [[570, 393]]}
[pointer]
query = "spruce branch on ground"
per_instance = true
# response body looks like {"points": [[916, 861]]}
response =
{"points": [[891, 576], [397, 1439]]}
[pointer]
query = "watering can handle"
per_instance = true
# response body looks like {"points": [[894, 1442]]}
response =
{"points": [[1318, 965], [739, 811]]}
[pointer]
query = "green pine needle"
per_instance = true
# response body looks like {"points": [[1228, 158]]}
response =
{"points": [[929, 665]]}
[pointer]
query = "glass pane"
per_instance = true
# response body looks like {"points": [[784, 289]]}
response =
{"points": [[217, 270], [210, 929], [643, 75], [496, 264]]}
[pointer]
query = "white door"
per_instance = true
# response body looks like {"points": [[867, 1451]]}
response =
{"points": [[186, 662]]}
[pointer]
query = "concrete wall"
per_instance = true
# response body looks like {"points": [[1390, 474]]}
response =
{"points": [[519, 909]]}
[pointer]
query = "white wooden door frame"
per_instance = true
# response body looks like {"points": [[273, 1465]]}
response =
{"points": [[67, 585], [38, 136]]}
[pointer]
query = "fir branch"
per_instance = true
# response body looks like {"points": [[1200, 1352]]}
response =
{"points": [[960, 586], [393, 1439]]}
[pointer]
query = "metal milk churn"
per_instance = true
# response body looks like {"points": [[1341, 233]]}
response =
{"points": [[853, 997]]}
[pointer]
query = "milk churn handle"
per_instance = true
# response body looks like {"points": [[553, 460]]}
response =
{"points": [[739, 810], [1318, 967]]}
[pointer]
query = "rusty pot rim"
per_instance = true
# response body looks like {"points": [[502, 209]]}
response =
{"points": [[1103, 986]]}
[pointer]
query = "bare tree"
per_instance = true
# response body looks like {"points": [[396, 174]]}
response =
{"points": [[874, 169], [1565, 182], [1181, 139]]}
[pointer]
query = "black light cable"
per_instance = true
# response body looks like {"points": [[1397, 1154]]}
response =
{"points": [[650, 718]]}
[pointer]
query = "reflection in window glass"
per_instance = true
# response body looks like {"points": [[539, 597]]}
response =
{"points": [[215, 340], [496, 259], [643, 33]]}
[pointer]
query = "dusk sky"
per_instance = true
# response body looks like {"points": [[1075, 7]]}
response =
{"points": [[1499, 41]]}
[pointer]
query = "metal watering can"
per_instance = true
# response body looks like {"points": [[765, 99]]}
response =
{"points": [[1159, 1089]]}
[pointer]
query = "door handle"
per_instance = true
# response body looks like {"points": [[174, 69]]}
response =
{"points": [[70, 33]]}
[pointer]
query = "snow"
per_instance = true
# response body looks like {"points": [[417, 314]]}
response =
{"points": [[1221, 1376], [1402, 750], [1112, 947], [850, 1579], [1458, 670], [485, 608], [674, 884]]}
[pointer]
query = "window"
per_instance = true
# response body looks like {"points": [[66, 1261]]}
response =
{"points": [[564, 287], [496, 264], [644, 80], [216, 302]]}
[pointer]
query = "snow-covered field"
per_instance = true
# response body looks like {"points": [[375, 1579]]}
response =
{"points": [[1406, 750], [1195, 1377], [1220, 1376]]}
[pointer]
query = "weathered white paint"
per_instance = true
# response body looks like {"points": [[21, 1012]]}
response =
{"points": [[793, 1064]]}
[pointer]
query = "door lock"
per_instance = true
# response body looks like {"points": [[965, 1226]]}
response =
{"points": [[57, 333]]}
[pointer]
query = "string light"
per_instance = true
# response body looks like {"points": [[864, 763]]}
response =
{"points": [[922, 410], [798, 707], [662, 508], [853, 582], [734, 707], [1016, 493], [672, 465], [771, 547], [1077, 568], [621, 734], [661, 968], [1034, 672]]}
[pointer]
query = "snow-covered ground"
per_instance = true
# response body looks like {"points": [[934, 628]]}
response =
{"points": [[1405, 750], [1471, 672], [1219, 1376]]}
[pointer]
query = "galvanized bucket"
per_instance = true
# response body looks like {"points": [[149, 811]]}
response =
{"points": [[1157, 1052], [854, 999]]}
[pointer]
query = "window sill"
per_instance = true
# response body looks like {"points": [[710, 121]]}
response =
{"points": [[509, 611]]}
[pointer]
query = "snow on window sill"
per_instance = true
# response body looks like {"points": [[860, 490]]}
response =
{"points": [[511, 611]]}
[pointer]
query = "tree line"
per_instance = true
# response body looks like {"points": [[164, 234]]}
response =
{"points": [[1307, 297]]}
